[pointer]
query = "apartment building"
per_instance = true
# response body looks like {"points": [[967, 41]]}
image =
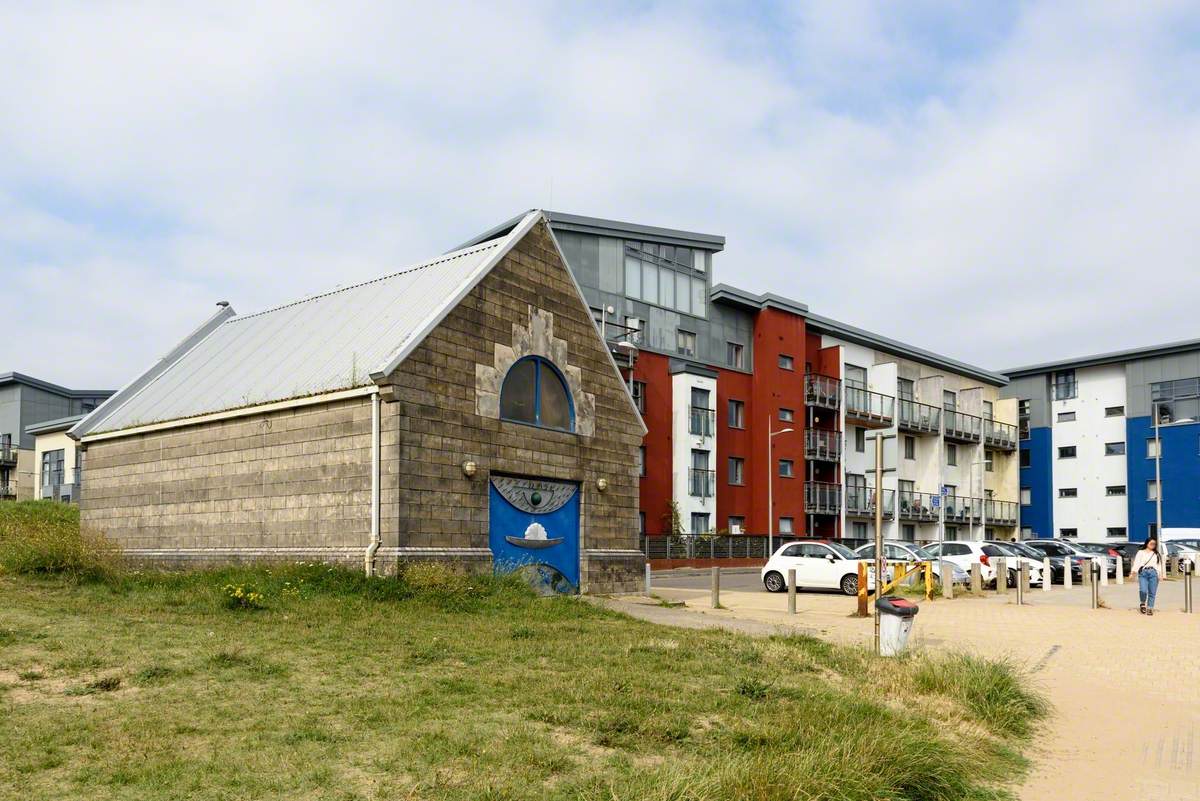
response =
{"points": [[1093, 462], [760, 414], [26, 401]]}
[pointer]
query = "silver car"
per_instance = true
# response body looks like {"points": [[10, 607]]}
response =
{"points": [[904, 551]]}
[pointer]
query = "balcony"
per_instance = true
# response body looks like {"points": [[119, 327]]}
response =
{"points": [[8, 490], [860, 502], [918, 506], [821, 391], [962, 427], [919, 418], [702, 483], [822, 446], [961, 509], [702, 422], [822, 499], [869, 408], [1001, 513], [1000, 435], [8, 452]]}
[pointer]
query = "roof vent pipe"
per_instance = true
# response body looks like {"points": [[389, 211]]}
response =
{"points": [[224, 304]]}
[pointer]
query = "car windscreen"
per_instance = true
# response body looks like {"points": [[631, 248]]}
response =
{"points": [[1005, 548], [1025, 550], [1092, 547], [842, 550], [992, 550], [923, 552]]}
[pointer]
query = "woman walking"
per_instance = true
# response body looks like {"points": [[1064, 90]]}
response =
{"points": [[1148, 567]]}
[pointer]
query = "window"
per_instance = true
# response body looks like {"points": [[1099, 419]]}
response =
{"points": [[1064, 385], [1068, 492], [786, 362], [52, 468], [949, 400], [737, 524], [1026, 533], [534, 393], [860, 440], [910, 447], [1023, 414], [1114, 411], [1066, 417], [951, 454], [785, 468], [685, 343], [737, 414], [1066, 452], [639, 395], [1152, 490], [1114, 449], [785, 525], [856, 376], [1152, 530], [1026, 457], [858, 531], [700, 523], [636, 328], [1066, 533], [737, 470], [904, 389], [641, 460], [735, 354], [1114, 490], [908, 532], [786, 415], [952, 534], [1116, 531], [1026, 496], [1151, 448], [988, 410]]}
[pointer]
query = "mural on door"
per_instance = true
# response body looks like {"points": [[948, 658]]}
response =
{"points": [[534, 531]]}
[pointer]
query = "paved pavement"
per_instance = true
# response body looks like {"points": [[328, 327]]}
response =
{"points": [[1126, 687]]}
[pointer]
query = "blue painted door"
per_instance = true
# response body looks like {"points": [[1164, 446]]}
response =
{"points": [[534, 530]]}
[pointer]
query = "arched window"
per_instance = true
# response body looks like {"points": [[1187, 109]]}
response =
{"points": [[534, 392]]}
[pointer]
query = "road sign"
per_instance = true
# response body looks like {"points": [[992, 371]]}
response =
{"points": [[945, 490], [936, 501]]}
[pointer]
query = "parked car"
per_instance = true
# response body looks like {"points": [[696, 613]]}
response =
{"points": [[1056, 547], [965, 553], [1026, 555], [1114, 556], [1185, 553], [819, 564], [1058, 555], [904, 551]]}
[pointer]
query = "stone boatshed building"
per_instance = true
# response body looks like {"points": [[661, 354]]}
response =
{"points": [[465, 409]]}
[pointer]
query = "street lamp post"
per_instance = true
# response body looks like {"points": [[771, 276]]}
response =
{"points": [[1158, 489], [771, 483]]}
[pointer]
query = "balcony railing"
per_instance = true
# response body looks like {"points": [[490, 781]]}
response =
{"points": [[821, 498], [869, 407], [822, 445], [962, 426], [8, 490], [8, 451], [1001, 513], [702, 483], [821, 390], [860, 502], [1000, 435], [702, 422], [961, 509], [918, 506], [920, 418]]}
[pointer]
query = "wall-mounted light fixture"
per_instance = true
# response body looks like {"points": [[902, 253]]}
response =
{"points": [[469, 469], [602, 484]]}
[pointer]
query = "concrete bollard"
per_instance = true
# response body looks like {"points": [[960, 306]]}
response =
{"points": [[647, 578], [1086, 575], [1068, 567], [791, 590], [1103, 563], [1001, 575], [1023, 581], [1172, 566], [1120, 570], [716, 588], [947, 571], [976, 578], [1047, 575]]}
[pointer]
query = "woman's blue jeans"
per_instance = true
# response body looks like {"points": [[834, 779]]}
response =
{"points": [[1147, 585]]}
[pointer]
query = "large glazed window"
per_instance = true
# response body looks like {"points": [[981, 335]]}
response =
{"points": [[534, 393]]}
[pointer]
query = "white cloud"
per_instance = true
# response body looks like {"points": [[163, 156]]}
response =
{"points": [[1001, 189]]}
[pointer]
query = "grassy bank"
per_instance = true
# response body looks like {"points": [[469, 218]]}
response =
{"points": [[308, 682]]}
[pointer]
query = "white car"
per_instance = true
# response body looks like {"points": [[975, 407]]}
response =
{"points": [[1014, 554], [904, 551], [819, 564], [1186, 550], [965, 553]]}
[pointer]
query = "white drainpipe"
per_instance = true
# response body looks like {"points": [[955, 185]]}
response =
{"points": [[376, 539]]}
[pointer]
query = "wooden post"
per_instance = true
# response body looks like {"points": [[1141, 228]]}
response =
{"points": [[976, 578], [862, 589], [791, 577], [716, 588]]}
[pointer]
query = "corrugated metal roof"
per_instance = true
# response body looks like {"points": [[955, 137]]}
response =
{"points": [[324, 343]]}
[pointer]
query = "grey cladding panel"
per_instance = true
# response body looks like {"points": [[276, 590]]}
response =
{"points": [[1141, 373]]}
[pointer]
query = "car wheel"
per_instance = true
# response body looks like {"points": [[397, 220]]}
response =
{"points": [[850, 584], [774, 582]]}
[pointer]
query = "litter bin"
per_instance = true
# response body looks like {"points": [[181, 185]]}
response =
{"points": [[895, 622]]}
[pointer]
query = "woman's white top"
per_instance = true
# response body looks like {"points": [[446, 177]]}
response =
{"points": [[1147, 558]]}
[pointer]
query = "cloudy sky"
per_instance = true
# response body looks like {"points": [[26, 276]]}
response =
{"points": [[1003, 183]]}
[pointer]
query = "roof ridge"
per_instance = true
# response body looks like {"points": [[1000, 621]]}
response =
{"points": [[407, 270]]}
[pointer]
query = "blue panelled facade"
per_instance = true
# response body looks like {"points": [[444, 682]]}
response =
{"points": [[1038, 479], [1180, 475]]}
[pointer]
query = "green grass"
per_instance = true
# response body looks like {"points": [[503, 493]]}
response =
{"points": [[147, 685]]}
